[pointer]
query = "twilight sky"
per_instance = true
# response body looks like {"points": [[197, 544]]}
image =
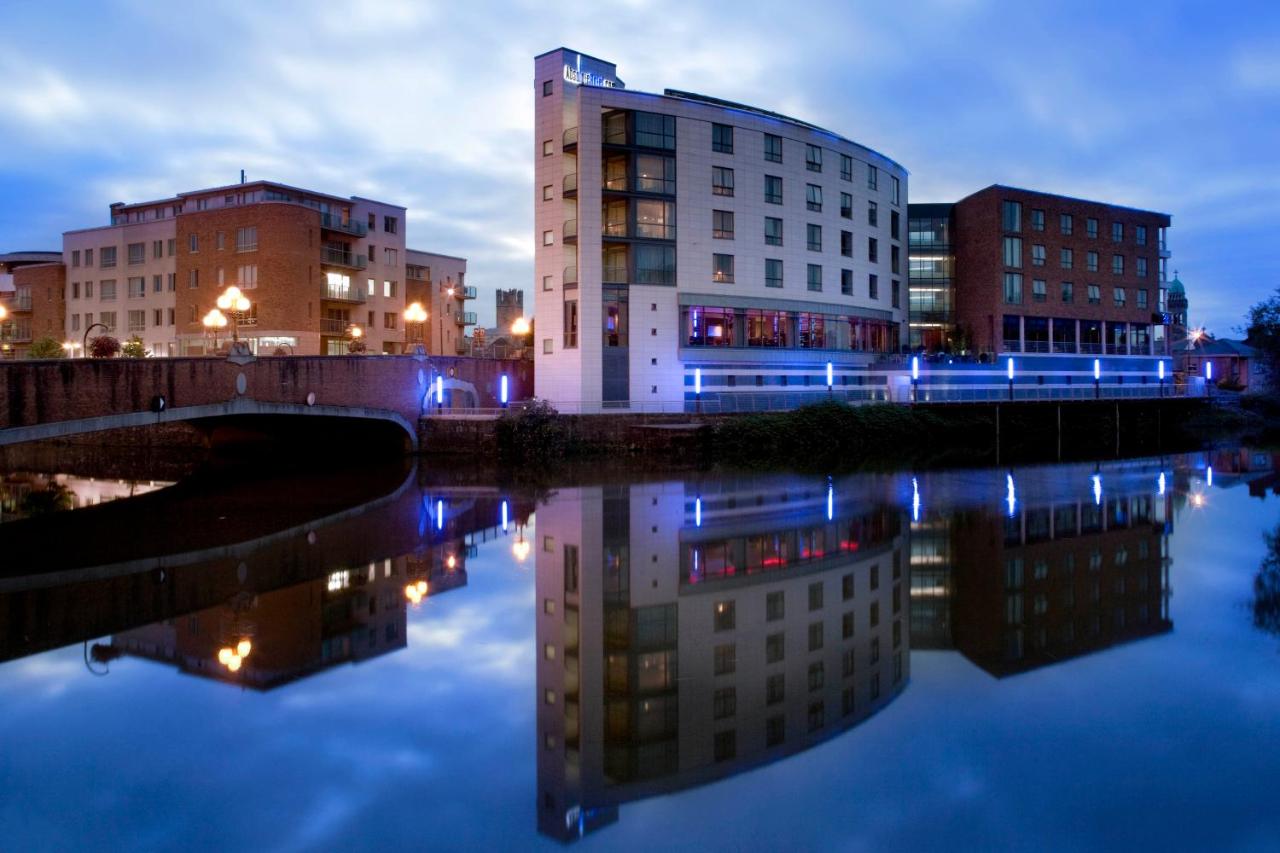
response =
{"points": [[1172, 106]]}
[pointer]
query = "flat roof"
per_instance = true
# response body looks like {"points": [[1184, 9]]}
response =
{"points": [[262, 182], [435, 254], [1071, 198]]}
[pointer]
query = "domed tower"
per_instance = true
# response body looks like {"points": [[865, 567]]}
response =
{"points": [[1176, 304]]}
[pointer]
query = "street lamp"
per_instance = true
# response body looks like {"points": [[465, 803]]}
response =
{"points": [[213, 321], [356, 342], [520, 327], [235, 303], [232, 657], [415, 313], [520, 548], [70, 347]]}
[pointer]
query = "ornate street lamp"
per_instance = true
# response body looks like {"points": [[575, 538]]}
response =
{"points": [[235, 303], [415, 314], [212, 322]]}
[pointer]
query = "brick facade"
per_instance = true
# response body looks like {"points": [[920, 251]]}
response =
{"points": [[45, 284]]}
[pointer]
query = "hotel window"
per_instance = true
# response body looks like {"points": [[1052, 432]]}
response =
{"points": [[1141, 297], [1141, 267], [724, 617], [137, 287], [722, 269], [1095, 294], [846, 167], [548, 238], [1013, 288], [895, 294], [1091, 228], [846, 243], [721, 180], [247, 239], [1068, 292], [775, 649], [873, 214], [1039, 290], [137, 253], [873, 177], [846, 282], [1068, 259], [815, 277], [1117, 264], [107, 290], [722, 224], [772, 231], [773, 189], [571, 324], [895, 190], [1140, 235], [655, 264], [814, 237], [1011, 215], [88, 290], [873, 286], [813, 158], [655, 131], [895, 259], [873, 250], [722, 138], [846, 205], [772, 272], [1037, 220], [1091, 261], [1117, 232], [75, 322], [1118, 296], [813, 197], [895, 221], [547, 148], [1037, 255], [107, 256], [772, 148]]}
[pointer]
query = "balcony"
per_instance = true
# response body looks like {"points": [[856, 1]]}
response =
{"points": [[465, 318], [569, 186], [569, 142], [614, 274], [571, 276], [350, 293], [334, 222], [12, 333], [571, 231], [469, 292], [1011, 346], [1164, 250], [1091, 349], [462, 346], [340, 258], [17, 303], [334, 326]]}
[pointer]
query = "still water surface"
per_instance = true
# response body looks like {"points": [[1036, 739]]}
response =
{"points": [[1060, 657]]}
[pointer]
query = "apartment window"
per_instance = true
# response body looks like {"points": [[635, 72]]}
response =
{"points": [[895, 259], [846, 205], [813, 197], [773, 189], [1065, 224], [75, 258], [1091, 228], [724, 616], [815, 636], [1117, 264], [138, 321], [546, 88], [654, 130], [726, 659], [775, 647], [814, 237], [873, 286], [846, 282], [546, 193], [108, 319], [1039, 290], [895, 190], [1117, 232], [548, 238], [724, 703], [774, 606], [373, 223], [775, 686], [157, 248], [88, 257], [815, 277], [873, 250], [1118, 296], [721, 180], [873, 214], [772, 148], [75, 322], [873, 177], [895, 294], [722, 224], [1140, 235], [157, 317], [817, 678], [1037, 220], [137, 287], [1013, 252], [193, 242], [571, 324], [547, 148], [546, 346], [894, 223], [171, 281], [1091, 261], [88, 290], [389, 289], [1013, 288], [1011, 215], [546, 282], [722, 269], [170, 244], [1068, 292], [846, 243], [169, 315], [390, 224], [220, 240], [75, 290], [1141, 295], [772, 272], [813, 158], [775, 731], [137, 253], [107, 256], [247, 276], [846, 167], [247, 239], [389, 319], [1037, 255], [722, 138], [1141, 267], [1095, 294], [1068, 259], [772, 231], [107, 290], [391, 258]]}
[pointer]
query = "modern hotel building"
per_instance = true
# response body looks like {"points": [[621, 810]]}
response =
{"points": [[692, 251]]}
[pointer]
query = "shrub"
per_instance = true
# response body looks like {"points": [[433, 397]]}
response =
{"points": [[536, 431], [104, 346], [357, 347], [134, 348], [45, 347]]}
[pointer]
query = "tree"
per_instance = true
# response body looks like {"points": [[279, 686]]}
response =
{"points": [[133, 348], [1263, 330], [357, 346], [104, 346], [45, 347], [1266, 587]]}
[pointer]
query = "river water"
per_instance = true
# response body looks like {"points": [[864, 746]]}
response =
{"points": [[1059, 657]]}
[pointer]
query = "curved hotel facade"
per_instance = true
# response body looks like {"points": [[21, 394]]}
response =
{"points": [[695, 252]]}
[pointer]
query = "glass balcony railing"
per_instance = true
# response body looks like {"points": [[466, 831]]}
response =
{"points": [[17, 303], [341, 293], [469, 292], [465, 318], [334, 326], [341, 258], [615, 274], [335, 222], [1091, 349]]}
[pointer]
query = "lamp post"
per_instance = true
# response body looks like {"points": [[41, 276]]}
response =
{"points": [[1161, 372], [1011, 378], [212, 322], [235, 303], [915, 379], [356, 339], [414, 314], [519, 328], [1097, 378], [70, 347]]}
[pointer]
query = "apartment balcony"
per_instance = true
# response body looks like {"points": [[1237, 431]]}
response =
{"points": [[334, 222], [1091, 349], [469, 292], [569, 142], [570, 276], [465, 318], [1164, 250], [462, 346], [12, 333], [339, 258], [334, 326], [571, 231], [614, 274], [17, 303], [333, 293], [569, 186]]}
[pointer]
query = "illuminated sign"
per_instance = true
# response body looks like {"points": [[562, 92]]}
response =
{"points": [[580, 77]]}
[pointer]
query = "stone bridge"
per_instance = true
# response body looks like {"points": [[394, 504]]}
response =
{"points": [[50, 399]]}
